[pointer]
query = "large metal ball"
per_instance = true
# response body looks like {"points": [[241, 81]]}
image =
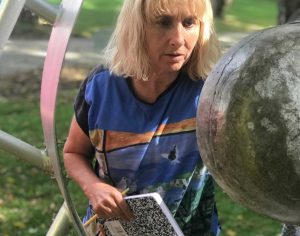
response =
{"points": [[248, 122]]}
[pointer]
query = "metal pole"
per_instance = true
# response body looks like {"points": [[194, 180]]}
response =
{"points": [[43, 9], [25, 151], [61, 224], [9, 14]]}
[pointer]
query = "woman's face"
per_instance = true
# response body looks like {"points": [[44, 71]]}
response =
{"points": [[170, 40]]}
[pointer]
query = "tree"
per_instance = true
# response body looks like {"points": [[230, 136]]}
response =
{"points": [[288, 10], [218, 7]]}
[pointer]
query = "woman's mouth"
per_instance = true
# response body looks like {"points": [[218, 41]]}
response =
{"points": [[175, 56]]}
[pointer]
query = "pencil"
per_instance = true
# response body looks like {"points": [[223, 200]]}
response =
{"points": [[94, 217]]}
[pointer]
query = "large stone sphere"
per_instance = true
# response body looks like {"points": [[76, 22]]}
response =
{"points": [[248, 122]]}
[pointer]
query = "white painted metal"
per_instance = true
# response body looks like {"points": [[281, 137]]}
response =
{"points": [[9, 14]]}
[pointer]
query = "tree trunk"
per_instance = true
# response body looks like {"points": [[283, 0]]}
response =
{"points": [[288, 10], [218, 7]]}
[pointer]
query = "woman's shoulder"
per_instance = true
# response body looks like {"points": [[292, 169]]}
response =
{"points": [[97, 72], [101, 74]]}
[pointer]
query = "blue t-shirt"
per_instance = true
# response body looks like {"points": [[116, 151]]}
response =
{"points": [[149, 147]]}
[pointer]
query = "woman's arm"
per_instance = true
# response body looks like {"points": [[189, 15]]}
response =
{"points": [[106, 200]]}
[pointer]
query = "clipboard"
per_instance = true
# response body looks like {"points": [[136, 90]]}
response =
{"points": [[152, 218]]}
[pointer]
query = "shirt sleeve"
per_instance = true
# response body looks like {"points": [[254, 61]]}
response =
{"points": [[81, 108]]}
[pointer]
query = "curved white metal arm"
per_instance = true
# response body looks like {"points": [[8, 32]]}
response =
{"points": [[51, 73], [9, 14]]}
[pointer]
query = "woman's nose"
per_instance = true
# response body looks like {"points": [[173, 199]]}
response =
{"points": [[177, 35]]}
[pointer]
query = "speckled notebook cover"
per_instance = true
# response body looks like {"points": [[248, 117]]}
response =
{"points": [[152, 217]]}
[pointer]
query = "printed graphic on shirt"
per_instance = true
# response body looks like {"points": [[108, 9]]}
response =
{"points": [[115, 140], [163, 163]]}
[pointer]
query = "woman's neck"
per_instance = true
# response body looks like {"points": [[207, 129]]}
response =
{"points": [[150, 90]]}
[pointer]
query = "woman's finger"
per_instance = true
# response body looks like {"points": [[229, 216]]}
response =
{"points": [[126, 211], [102, 231]]}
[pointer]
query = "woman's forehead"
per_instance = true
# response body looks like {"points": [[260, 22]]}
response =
{"points": [[173, 7]]}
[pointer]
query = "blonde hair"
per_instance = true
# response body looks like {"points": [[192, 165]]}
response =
{"points": [[125, 53]]}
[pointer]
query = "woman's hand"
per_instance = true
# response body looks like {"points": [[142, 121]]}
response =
{"points": [[107, 201]]}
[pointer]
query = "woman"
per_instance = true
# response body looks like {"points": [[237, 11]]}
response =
{"points": [[136, 115]]}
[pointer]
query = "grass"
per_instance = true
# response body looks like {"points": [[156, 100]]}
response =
{"points": [[236, 220], [29, 198], [247, 16], [95, 15]]}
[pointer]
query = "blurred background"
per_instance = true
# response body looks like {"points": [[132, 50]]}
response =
{"points": [[29, 198]]}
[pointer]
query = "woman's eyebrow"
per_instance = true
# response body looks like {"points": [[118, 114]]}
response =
{"points": [[175, 16], [165, 16]]}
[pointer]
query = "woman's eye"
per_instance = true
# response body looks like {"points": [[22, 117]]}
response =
{"points": [[165, 22], [189, 22]]}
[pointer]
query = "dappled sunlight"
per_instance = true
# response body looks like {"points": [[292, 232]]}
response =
{"points": [[30, 55], [33, 52], [232, 23], [235, 22], [74, 74]]}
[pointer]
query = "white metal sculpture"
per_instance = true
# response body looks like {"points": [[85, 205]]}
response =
{"points": [[63, 20]]}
